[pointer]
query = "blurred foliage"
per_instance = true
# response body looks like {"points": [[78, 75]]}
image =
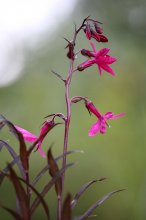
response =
{"points": [[120, 154]]}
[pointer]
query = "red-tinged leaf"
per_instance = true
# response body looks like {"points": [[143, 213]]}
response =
{"points": [[66, 211], [13, 154], [21, 195], [12, 212], [47, 167], [82, 190], [48, 186], [6, 169], [23, 153], [41, 199], [89, 212], [53, 171]]}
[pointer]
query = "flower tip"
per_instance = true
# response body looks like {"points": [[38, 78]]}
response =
{"points": [[42, 153], [90, 134]]}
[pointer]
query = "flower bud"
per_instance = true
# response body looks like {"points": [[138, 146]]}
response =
{"points": [[87, 53]]}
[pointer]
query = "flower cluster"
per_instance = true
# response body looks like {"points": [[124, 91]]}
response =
{"points": [[25, 208]]}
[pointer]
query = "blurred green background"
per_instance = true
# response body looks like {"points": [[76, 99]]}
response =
{"points": [[120, 154]]}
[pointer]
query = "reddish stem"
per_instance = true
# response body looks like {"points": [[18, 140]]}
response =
{"points": [[66, 133], [68, 117]]}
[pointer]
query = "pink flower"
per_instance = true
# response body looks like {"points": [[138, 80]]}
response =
{"points": [[100, 125], [101, 58], [28, 136]]}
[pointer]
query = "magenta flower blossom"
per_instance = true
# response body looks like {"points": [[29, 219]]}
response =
{"points": [[100, 125], [28, 136], [101, 58]]}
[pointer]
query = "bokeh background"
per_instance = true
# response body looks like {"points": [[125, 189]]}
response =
{"points": [[29, 91]]}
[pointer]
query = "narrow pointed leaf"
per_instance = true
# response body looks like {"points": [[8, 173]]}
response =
{"points": [[89, 212], [47, 167], [82, 190], [2, 121], [13, 154], [53, 171], [49, 186], [42, 201], [58, 75], [66, 211], [21, 194], [12, 212], [6, 169]]}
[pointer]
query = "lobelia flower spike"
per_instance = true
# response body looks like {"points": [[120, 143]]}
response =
{"points": [[101, 58], [28, 136], [100, 125]]}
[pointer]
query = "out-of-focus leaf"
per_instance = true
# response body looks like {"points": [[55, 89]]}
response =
{"points": [[46, 209], [12, 212], [21, 195], [6, 169], [82, 190], [14, 156], [18, 135], [53, 171], [89, 212], [2, 121], [66, 211], [49, 186], [23, 153], [47, 167]]}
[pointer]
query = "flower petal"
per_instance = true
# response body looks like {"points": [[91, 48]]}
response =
{"points": [[102, 127], [107, 69], [40, 150], [28, 136], [109, 60], [102, 52], [100, 70], [118, 116], [108, 115], [93, 47], [94, 129]]}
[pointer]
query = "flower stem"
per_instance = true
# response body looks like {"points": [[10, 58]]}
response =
{"points": [[66, 133], [68, 116]]}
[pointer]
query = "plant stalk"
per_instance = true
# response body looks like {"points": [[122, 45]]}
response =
{"points": [[66, 133]]}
